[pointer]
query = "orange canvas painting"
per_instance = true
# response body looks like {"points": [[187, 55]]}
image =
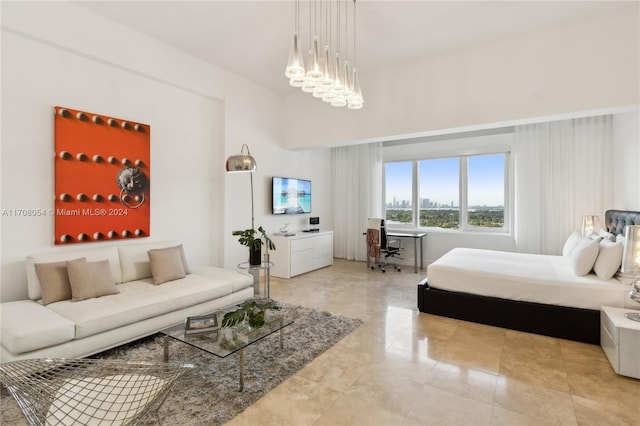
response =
{"points": [[102, 177]]}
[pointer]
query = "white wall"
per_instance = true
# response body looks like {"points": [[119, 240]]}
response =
{"points": [[252, 119], [626, 154], [56, 53], [589, 64]]}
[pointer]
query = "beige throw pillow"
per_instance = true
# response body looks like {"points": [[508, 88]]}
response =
{"points": [[54, 281], [90, 279], [166, 264]]}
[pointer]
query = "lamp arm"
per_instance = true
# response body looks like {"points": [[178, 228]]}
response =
{"points": [[252, 214]]}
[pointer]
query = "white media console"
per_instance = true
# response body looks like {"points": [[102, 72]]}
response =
{"points": [[301, 253]]}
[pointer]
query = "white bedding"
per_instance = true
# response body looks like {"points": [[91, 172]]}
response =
{"points": [[524, 277]]}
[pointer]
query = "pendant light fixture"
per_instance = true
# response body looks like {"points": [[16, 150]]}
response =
{"points": [[326, 76], [295, 65], [356, 101]]}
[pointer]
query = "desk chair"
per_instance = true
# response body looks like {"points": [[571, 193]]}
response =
{"points": [[379, 247]]}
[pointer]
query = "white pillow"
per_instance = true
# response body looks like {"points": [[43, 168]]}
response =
{"points": [[571, 243], [609, 259], [584, 256], [607, 235]]}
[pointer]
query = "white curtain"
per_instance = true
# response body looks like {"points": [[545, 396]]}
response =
{"points": [[357, 195], [563, 170]]}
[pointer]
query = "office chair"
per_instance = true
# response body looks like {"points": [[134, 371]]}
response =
{"points": [[379, 247]]}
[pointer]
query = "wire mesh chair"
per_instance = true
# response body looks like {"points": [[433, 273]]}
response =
{"points": [[89, 391]]}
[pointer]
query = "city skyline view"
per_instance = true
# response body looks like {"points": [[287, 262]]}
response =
{"points": [[439, 182]]}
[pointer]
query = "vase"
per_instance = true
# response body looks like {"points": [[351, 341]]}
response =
{"points": [[256, 319], [255, 256]]}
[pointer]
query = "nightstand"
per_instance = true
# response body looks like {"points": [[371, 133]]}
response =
{"points": [[620, 340]]}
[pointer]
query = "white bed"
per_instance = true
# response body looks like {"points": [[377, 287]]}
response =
{"points": [[525, 277], [534, 293]]}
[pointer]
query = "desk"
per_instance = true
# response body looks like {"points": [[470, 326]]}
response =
{"points": [[417, 237]]}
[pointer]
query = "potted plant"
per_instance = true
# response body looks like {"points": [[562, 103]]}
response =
{"points": [[253, 311], [254, 240]]}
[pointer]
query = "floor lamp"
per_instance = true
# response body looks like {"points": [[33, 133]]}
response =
{"points": [[244, 163]]}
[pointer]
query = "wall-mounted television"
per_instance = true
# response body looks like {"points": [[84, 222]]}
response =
{"points": [[290, 196]]}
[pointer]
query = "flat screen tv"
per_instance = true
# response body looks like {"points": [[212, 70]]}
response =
{"points": [[291, 196]]}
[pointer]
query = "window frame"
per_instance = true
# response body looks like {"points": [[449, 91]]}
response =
{"points": [[463, 210]]}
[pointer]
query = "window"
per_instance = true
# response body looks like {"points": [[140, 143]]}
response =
{"points": [[440, 192], [399, 192], [485, 191], [467, 192]]}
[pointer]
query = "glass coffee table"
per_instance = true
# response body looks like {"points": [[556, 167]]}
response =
{"points": [[226, 341]]}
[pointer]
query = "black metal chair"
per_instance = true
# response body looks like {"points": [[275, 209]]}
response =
{"points": [[380, 247]]}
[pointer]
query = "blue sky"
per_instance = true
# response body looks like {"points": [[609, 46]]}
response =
{"points": [[439, 180]]}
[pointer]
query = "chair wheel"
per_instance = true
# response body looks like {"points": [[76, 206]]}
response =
{"points": [[373, 268], [398, 269]]}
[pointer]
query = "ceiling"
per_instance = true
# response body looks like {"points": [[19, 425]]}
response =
{"points": [[252, 38]]}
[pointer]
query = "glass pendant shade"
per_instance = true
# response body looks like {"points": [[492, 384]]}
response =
{"points": [[309, 86], [329, 96], [320, 90], [346, 79], [327, 71], [314, 71], [297, 81], [356, 101], [338, 84], [295, 65]]}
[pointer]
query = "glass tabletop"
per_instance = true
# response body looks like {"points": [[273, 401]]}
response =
{"points": [[263, 265], [225, 341]]}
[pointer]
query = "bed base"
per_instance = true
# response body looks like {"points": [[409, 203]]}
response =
{"points": [[582, 325]]}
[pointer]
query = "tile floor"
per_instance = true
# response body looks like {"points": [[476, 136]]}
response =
{"points": [[407, 368]]}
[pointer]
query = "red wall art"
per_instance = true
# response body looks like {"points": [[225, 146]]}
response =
{"points": [[102, 177]]}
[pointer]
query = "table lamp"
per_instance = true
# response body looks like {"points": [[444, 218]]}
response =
{"points": [[590, 224], [631, 264]]}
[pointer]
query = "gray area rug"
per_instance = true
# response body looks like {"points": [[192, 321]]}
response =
{"points": [[209, 395]]}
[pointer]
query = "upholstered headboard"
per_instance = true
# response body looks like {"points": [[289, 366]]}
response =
{"points": [[616, 220]]}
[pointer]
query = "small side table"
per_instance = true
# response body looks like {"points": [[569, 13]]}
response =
{"points": [[620, 340], [266, 266]]}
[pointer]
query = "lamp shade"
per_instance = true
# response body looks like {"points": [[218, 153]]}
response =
{"points": [[631, 253], [242, 162], [590, 224]]}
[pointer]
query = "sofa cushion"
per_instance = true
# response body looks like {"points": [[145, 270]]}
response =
{"points": [[193, 289], [27, 326], [54, 281], [139, 300], [238, 280], [91, 254], [166, 264], [90, 279], [134, 259]]}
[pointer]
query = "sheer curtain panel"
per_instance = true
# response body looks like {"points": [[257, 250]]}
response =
{"points": [[563, 170], [357, 195]]}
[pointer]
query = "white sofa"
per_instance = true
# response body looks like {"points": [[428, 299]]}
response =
{"points": [[68, 329]]}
